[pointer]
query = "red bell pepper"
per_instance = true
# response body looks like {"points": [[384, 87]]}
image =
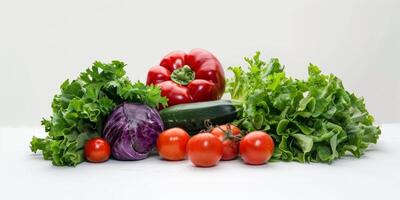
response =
{"points": [[188, 77]]}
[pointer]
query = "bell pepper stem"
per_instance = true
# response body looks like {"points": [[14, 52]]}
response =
{"points": [[183, 75]]}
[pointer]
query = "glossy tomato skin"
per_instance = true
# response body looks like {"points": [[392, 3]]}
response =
{"points": [[97, 150], [230, 145], [256, 148], [171, 144], [204, 150], [230, 150], [219, 131]]}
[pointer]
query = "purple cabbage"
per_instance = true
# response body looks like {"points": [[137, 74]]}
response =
{"points": [[132, 131]]}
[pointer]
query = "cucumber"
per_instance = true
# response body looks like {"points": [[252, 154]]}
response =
{"points": [[194, 117]]}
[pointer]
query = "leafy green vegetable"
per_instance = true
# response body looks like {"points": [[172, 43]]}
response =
{"points": [[83, 105], [313, 120]]}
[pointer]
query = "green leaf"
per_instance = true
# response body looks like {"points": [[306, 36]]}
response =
{"points": [[324, 153], [304, 128], [305, 142], [81, 107], [280, 129], [307, 102], [313, 120]]}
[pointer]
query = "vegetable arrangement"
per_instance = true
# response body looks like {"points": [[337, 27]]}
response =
{"points": [[80, 110], [102, 114]]}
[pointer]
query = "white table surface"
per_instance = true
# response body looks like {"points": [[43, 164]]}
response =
{"points": [[24, 175]]}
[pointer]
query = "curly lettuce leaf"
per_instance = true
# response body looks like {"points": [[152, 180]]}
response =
{"points": [[82, 106], [313, 120]]}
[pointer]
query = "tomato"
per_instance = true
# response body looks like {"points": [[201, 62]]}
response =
{"points": [[256, 148], [97, 150], [204, 150], [171, 144], [226, 134]]}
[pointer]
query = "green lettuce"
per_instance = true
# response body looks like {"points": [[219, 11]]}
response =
{"points": [[80, 109], [313, 120]]}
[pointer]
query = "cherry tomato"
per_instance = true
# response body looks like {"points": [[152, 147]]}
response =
{"points": [[204, 150], [171, 144], [226, 134], [256, 148], [97, 150]]}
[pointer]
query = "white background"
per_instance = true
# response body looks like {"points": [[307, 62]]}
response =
{"points": [[44, 42]]}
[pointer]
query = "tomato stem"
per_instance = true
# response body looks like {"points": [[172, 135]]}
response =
{"points": [[228, 135]]}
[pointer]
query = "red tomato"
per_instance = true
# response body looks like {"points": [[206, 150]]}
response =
{"points": [[97, 150], [204, 150], [171, 144], [226, 134], [256, 148]]}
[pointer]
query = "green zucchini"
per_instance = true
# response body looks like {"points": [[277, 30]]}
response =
{"points": [[194, 117]]}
